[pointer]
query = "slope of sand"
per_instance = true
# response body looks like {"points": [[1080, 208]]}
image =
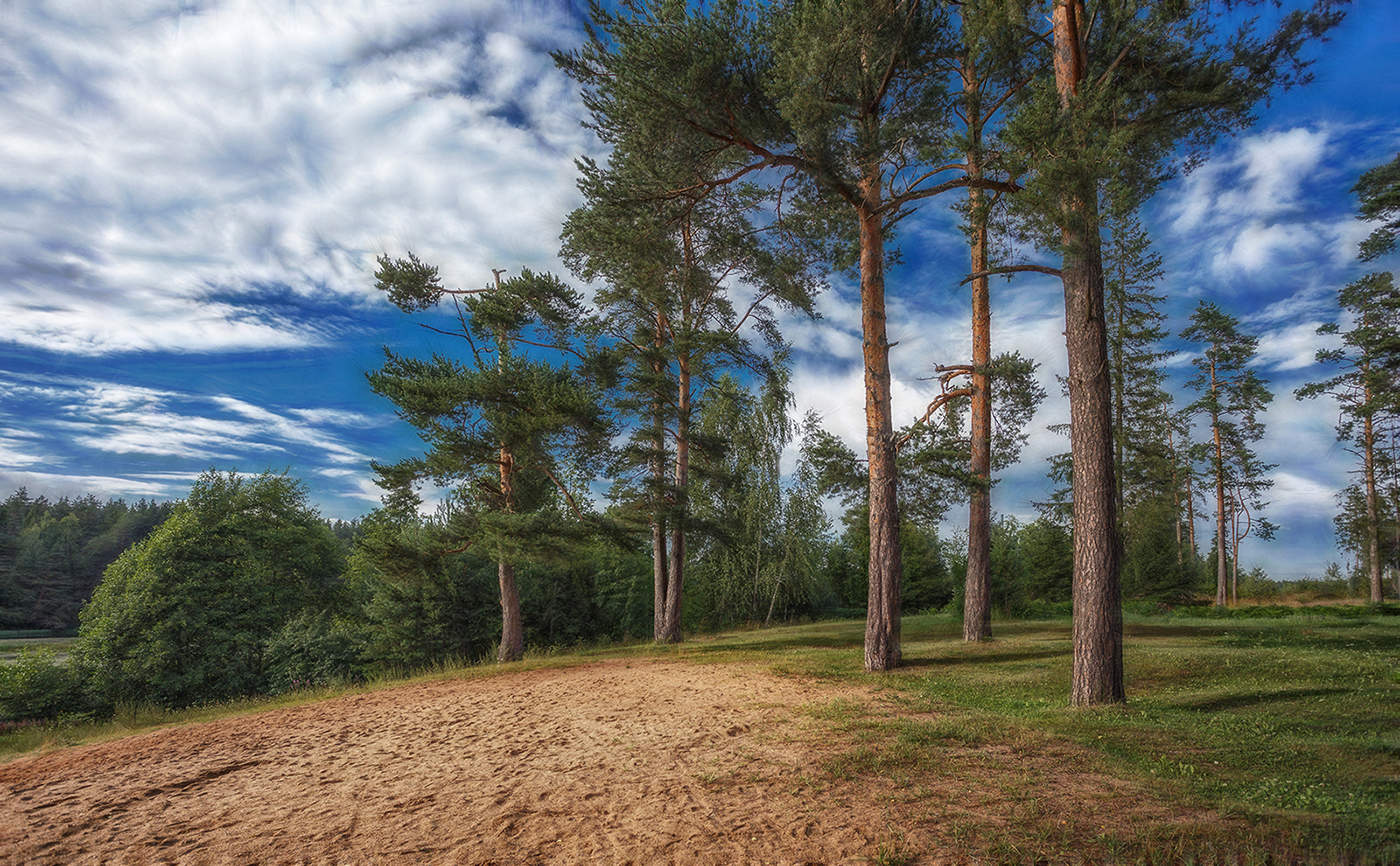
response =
{"points": [[618, 762]]}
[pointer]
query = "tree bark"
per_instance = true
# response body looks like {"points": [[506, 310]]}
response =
{"points": [[1219, 494], [977, 592], [1097, 676], [658, 578], [1373, 528], [512, 647], [660, 582], [512, 629], [671, 625], [659, 565], [977, 588], [882, 606]]}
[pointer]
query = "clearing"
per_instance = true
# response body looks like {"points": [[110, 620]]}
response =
{"points": [[760, 747]]}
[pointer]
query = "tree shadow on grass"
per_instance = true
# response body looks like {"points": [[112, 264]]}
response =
{"points": [[1232, 702], [990, 658]]}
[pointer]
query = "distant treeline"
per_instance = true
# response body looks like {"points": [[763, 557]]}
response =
{"points": [[53, 553]]}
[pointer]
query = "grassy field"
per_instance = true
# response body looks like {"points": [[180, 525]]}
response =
{"points": [[1288, 727], [1291, 725], [10, 648]]}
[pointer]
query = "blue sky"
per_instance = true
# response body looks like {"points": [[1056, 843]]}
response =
{"points": [[192, 196]]}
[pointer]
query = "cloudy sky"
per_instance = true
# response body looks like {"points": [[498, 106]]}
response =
{"points": [[192, 195]]}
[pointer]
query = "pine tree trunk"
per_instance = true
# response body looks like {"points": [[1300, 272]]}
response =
{"points": [[660, 582], [1373, 527], [658, 578], [512, 630], [882, 605], [1098, 612], [1219, 497], [1176, 491], [512, 647], [671, 626], [977, 588]]}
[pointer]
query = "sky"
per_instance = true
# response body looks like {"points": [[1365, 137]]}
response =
{"points": [[192, 197]]}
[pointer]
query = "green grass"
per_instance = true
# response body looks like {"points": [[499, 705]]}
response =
{"points": [[10, 648], [1289, 727], [1290, 724]]}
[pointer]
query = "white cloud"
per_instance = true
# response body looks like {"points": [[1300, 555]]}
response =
{"points": [[54, 484], [1275, 163], [1294, 494], [166, 164], [81, 422], [1293, 347]]}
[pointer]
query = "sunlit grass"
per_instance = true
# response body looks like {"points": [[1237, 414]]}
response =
{"points": [[1290, 724]]}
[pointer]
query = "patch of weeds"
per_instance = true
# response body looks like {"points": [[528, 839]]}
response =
{"points": [[892, 852]]}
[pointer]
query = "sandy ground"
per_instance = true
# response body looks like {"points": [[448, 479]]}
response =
{"points": [[622, 762]]}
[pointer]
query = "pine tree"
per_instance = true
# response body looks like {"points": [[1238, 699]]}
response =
{"points": [[1131, 81], [669, 266], [1367, 391], [1231, 397], [1379, 192], [992, 66], [512, 436], [831, 101]]}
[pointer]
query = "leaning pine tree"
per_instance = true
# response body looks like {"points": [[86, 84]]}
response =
{"points": [[1131, 82], [509, 435]]}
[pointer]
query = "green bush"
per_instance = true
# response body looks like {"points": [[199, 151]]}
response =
{"points": [[184, 617], [316, 649], [37, 686]]}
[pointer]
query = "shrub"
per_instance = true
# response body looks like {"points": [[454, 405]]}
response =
{"points": [[184, 617], [37, 686], [316, 649]]}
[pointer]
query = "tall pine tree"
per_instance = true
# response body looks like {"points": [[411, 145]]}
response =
{"points": [[834, 104], [1231, 397], [1131, 82], [512, 436]]}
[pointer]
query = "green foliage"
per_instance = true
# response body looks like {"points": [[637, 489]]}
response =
{"points": [[316, 648], [761, 545], [185, 616], [422, 606], [1379, 191], [38, 686], [1048, 552]]}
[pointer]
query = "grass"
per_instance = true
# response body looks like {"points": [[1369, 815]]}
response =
{"points": [[1287, 729], [1290, 725], [11, 648]]}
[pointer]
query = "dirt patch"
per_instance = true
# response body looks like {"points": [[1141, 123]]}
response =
{"points": [[621, 762]]}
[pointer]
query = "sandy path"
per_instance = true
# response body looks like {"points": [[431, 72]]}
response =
{"points": [[619, 762]]}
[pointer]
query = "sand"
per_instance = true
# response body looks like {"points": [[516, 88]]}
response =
{"points": [[619, 762]]}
